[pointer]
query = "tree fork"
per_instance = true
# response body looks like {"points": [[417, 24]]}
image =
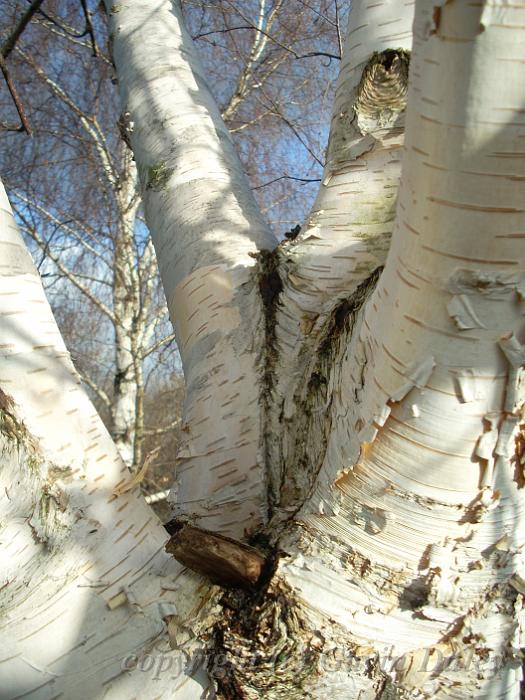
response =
{"points": [[319, 355]]}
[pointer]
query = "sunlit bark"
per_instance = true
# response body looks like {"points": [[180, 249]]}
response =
{"points": [[206, 229], [420, 492], [396, 485], [86, 589], [347, 233]]}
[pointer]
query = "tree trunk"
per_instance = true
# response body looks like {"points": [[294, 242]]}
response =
{"points": [[85, 582], [206, 230], [410, 536], [126, 306], [360, 426]]}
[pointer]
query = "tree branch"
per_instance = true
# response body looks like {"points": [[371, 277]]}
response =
{"points": [[89, 27], [287, 177], [61, 224], [89, 124], [158, 344], [9, 43], [206, 226], [96, 389], [14, 95], [280, 44], [66, 272], [338, 28]]}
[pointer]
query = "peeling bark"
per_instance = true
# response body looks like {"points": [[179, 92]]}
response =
{"points": [[386, 413], [415, 504]]}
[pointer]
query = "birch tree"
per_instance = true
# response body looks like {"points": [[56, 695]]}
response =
{"points": [[354, 404]]}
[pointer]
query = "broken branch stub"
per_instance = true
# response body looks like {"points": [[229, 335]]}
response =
{"points": [[224, 561]]}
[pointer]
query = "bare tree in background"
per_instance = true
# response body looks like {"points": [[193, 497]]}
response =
{"points": [[77, 197]]}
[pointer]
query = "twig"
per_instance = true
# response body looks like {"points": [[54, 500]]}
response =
{"points": [[67, 30], [139, 476], [5, 126], [287, 177], [16, 99], [158, 344], [89, 27], [11, 40], [8, 46], [277, 42], [222, 31], [338, 29]]}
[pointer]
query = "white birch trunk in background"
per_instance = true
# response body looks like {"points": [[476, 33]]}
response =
{"points": [[378, 429], [126, 307], [131, 280]]}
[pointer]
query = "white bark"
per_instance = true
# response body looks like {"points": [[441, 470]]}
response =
{"points": [[125, 421], [347, 233], [206, 229], [408, 550], [419, 497], [85, 583]]}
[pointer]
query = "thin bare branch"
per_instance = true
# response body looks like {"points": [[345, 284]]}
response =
{"points": [[68, 274], [14, 95], [287, 177], [96, 389], [222, 31], [63, 34], [67, 29], [89, 27], [163, 341], [90, 125], [11, 40], [283, 46], [338, 28], [62, 224]]}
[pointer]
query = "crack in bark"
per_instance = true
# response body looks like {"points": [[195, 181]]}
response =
{"points": [[312, 422], [270, 288]]}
